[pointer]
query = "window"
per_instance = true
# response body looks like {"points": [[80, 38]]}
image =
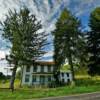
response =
{"points": [[27, 78], [67, 74], [42, 80], [34, 79], [52, 68], [27, 69], [49, 78], [49, 68], [68, 80], [63, 80], [42, 68], [34, 68], [62, 74]]}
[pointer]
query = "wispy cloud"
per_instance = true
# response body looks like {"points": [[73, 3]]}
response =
{"points": [[2, 54], [84, 6], [48, 10]]}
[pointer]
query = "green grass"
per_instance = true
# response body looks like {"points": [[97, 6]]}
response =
{"points": [[83, 85], [6, 83], [24, 94]]}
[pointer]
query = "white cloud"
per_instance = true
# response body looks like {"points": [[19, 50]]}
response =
{"points": [[49, 54], [85, 6], [45, 11], [2, 54], [5, 5], [42, 10]]}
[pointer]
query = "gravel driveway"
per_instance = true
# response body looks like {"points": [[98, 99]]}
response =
{"points": [[88, 96]]}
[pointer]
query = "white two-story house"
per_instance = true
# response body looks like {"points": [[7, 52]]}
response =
{"points": [[41, 73]]}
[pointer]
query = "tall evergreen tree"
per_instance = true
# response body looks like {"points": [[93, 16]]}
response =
{"points": [[94, 43], [28, 41], [66, 38]]}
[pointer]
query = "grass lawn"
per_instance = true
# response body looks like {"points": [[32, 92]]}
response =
{"points": [[25, 94], [6, 83], [83, 85]]}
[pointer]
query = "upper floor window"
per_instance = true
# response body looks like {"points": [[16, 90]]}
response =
{"points": [[42, 68], [34, 68], [67, 74], [62, 74], [49, 69], [28, 69]]}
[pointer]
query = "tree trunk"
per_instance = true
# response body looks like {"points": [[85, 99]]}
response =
{"points": [[21, 76], [13, 78], [72, 68]]}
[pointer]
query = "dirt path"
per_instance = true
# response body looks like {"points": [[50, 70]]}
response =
{"points": [[88, 96]]}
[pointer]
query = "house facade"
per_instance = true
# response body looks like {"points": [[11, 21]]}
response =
{"points": [[41, 73]]}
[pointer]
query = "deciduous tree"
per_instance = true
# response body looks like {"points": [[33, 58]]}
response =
{"points": [[94, 43], [67, 37], [23, 30]]}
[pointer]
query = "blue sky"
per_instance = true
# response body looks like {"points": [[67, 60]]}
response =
{"points": [[48, 11]]}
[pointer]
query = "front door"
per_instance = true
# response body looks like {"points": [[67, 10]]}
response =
{"points": [[34, 79], [42, 80]]}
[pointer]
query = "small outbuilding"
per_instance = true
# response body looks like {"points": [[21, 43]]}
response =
{"points": [[65, 77]]}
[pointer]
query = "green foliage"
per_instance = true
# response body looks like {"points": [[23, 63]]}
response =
{"points": [[87, 82], [2, 76], [94, 43], [68, 41], [22, 94], [95, 20], [18, 74], [81, 70], [65, 68], [83, 85], [64, 36], [23, 30]]}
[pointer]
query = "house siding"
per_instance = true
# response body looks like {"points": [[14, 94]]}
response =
{"points": [[40, 74]]}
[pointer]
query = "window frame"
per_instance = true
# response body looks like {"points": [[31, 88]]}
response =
{"points": [[49, 68], [27, 77], [42, 68], [34, 77], [27, 68], [35, 68], [68, 75]]}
